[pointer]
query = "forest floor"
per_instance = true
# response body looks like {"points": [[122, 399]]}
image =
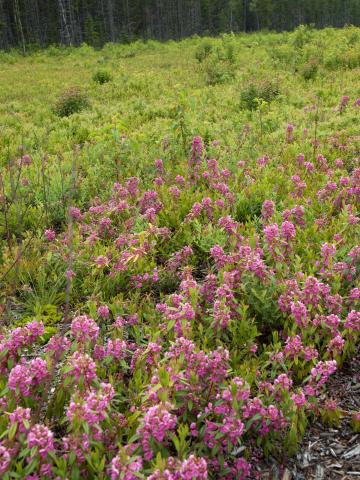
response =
{"points": [[326, 453]]}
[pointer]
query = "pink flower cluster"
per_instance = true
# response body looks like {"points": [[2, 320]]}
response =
{"points": [[157, 423], [84, 329], [24, 377]]}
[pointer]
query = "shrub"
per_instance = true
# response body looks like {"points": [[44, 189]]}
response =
{"points": [[218, 64], [218, 71], [309, 69], [302, 36], [70, 101], [282, 53], [227, 49], [266, 90], [203, 51], [102, 76], [348, 59]]}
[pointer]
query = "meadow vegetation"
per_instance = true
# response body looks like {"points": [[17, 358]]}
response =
{"points": [[179, 242]]}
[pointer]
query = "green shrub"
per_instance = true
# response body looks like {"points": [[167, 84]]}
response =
{"points": [[70, 101], [218, 71], [248, 207], [227, 49], [203, 51], [266, 90], [302, 35], [282, 53], [309, 69], [102, 76], [348, 59]]}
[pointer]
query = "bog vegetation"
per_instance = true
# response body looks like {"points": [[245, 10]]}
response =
{"points": [[180, 252]]}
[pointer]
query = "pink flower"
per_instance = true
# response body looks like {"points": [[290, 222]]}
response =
{"points": [[293, 346], [327, 251], [263, 161], [150, 215], [268, 208], [336, 345], [180, 180], [352, 321], [101, 261], [159, 165], [69, 274], [332, 322], [193, 468], [156, 424], [195, 211], [132, 186], [288, 231], [50, 235], [321, 372], [75, 213], [41, 438], [283, 382], [299, 399], [338, 163], [84, 329], [20, 416], [300, 159], [5, 459], [299, 313], [26, 160], [57, 346], [197, 149], [271, 233], [125, 467], [354, 295], [92, 408], [174, 191], [25, 376], [82, 366], [103, 311], [158, 181], [289, 133], [242, 468], [39, 370], [116, 349], [343, 103]]}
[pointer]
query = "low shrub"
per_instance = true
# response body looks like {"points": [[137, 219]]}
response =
{"points": [[102, 76], [203, 51], [70, 101], [218, 71], [309, 69], [266, 90]]}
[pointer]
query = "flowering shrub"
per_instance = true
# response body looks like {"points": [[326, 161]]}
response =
{"points": [[70, 101], [200, 304]]}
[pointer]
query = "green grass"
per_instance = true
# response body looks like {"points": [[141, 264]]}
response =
{"points": [[151, 79]]}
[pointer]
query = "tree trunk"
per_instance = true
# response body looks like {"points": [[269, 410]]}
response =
{"points": [[110, 13], [3, 27], [66, 32], [19, 26]]}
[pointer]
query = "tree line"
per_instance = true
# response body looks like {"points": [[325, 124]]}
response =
{"points": [[30, 23]]}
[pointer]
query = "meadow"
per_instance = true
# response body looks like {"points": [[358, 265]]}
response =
{"points": [[179, 241]]}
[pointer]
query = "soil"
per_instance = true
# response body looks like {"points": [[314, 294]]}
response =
{"points": [[326, 453]]}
